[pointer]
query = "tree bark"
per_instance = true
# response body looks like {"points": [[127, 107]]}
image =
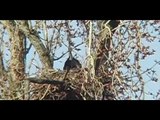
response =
{"points": [[16, 68], [2, 70], [17, 51]]}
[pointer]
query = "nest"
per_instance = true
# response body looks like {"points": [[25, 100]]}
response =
{"points": [[76, 85]]}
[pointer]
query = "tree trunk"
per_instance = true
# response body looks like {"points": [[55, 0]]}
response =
{"points": [[17, 67]]}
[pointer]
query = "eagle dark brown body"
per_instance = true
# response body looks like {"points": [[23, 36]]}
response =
{"points": [[71, 64]]}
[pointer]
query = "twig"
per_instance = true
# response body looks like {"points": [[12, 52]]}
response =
{"points": [[60, 56], [27, 50], [45, 92]]}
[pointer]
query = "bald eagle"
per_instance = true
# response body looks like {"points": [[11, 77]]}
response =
{"points": [[71, 63]]}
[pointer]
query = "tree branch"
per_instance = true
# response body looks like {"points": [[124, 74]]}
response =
{"points": [[37, 43], [44, 81], [60, 56], [2, 70]]}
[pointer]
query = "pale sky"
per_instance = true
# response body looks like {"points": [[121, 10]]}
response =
{"points": [[147, 63]]}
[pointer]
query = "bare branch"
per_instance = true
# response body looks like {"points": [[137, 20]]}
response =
{"points": [[44, 81], [60, 56], [27, 50], [37, 43]]}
